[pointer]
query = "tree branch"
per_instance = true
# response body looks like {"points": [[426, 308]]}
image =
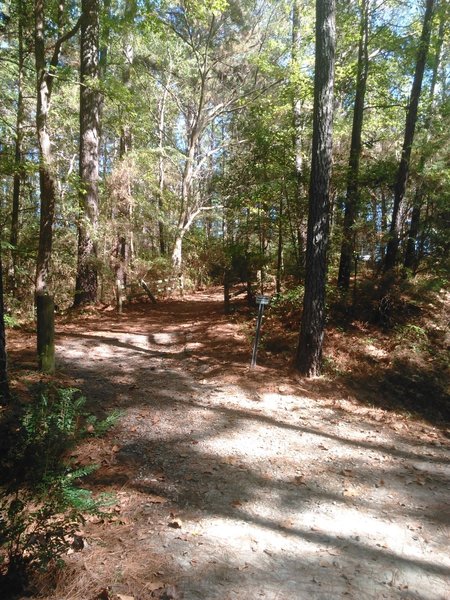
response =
{"points": [[57, 50]]}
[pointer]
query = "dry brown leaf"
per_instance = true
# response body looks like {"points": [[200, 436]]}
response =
{"points": [[299, 480], [287, 524], [346, 472], [94, 519], [176, 523], [156, 499], [154, 585], [103, 595], [170, 593]]}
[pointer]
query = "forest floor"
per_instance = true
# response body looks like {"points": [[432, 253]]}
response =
{"points": [[239, 483]]}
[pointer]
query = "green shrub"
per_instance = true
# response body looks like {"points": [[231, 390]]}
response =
{"points": [[10, 321], [411, 336], [291, 298], [41, 501]]}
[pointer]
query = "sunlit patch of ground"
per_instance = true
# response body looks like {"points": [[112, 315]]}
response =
{"points": [[247, 484]]}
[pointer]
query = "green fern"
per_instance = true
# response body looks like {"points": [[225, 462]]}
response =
{"points": [[41, 499], [102, 426]]}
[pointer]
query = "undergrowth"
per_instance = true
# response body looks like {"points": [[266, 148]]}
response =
{"points": [[42, 502], [388, 342]]}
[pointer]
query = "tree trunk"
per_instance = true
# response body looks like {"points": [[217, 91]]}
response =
{"points": [[280, 246], [124, 245], [4, 385], [177, 254], [296, 100], [410, 127], [189, 209], [352, 199], [18, 167], [161, 173], [410, 261], [47, 178], [45, 309], [297, 134], [47, 182], [411, 254], [86, 280], [309, 351], [186, 201]]}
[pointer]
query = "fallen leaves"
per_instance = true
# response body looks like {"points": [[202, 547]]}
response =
{"points": [[351, 492], [155, 585], [299, 480], [108, 594], [346, 472], [175, 522], [153, 499]]}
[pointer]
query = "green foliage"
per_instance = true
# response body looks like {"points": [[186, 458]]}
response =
{"points": [[152, 270], [411, 336], [203, 10], [41, 501], [99, 427], [330, 367], [292, 296], [288, 304], [10, 321]]}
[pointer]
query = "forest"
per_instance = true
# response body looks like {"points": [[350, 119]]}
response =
{"points": [[163, 162]]}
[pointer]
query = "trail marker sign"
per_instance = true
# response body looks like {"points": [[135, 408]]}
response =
{"points": [[261, 301], [264, 300]]}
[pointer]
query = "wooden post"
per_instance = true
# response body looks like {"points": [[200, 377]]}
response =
{"points": [[46, 332], [119, 294], [148, 291]]}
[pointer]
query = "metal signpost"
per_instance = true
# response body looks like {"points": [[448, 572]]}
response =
{"points": [[261, 301]]}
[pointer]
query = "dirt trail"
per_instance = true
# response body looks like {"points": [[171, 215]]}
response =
{"points": [[244, 484]]}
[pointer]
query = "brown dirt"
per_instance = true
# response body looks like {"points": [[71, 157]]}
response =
{"points": [[239, 483]]}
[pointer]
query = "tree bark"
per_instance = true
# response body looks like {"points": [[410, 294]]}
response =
{"points": [[280, 246], [309, 351], [297, 136], [47, 182], [86, 280], [4, 384], [45, 309], [411, 254], [352, 199], [161, 172], [296, 100], [47, 177], [410, 128], [47, 174], [188, 207], [124, 244], [18, 167]]}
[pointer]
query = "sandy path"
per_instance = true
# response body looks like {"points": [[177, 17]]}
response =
{"points": [[239, 484]]}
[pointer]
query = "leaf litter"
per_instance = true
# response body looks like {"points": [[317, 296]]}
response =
{"points": [[239, 483]]}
